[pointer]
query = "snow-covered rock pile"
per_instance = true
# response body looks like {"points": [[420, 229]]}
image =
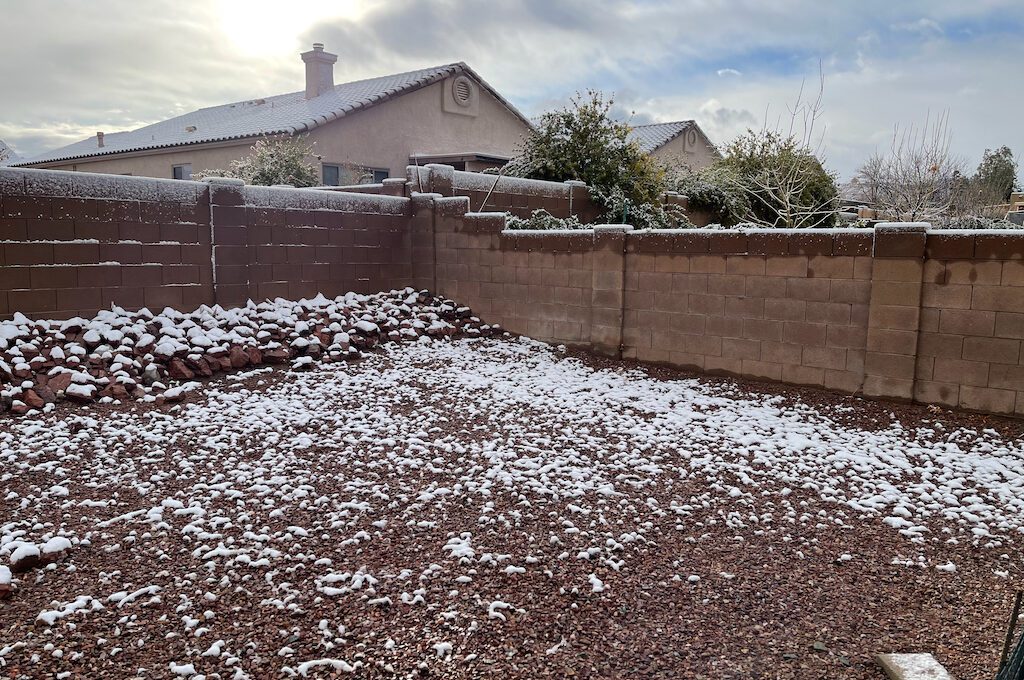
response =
{"points": [[120, 354]]}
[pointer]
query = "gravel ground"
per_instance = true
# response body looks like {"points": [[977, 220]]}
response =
{"points": [[499, 507]]}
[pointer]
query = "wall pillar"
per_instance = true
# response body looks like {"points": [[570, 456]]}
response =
{"points": [[608, 291], [894, 315], [440, 179], [229, 240], [422, 248], [394, 186]]}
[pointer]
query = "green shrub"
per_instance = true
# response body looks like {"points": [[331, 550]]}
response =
{"points": [[617, 208], [582, 142], [542, 220], [785, 184], [716, 191]]}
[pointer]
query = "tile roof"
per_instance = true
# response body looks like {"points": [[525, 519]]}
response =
{"points": [[652, 136], [286, 113]]}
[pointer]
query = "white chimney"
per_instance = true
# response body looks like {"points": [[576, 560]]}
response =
{"points": [[319, 70], [99, 139]]}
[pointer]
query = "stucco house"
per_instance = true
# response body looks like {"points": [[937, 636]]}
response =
{"points": [[364, 129], [677, 143]]}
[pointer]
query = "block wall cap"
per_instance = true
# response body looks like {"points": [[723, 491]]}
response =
{"points": [[903, 226]]}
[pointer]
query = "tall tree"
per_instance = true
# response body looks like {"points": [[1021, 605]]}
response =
{"points": [[785, 183], [996, 177], [583, 142], [918, 178]]}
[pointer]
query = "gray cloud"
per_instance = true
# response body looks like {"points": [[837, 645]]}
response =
{"points": [[720, 117]]}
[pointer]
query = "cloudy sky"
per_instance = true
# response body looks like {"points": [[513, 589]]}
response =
{"points": [[70, 68]]}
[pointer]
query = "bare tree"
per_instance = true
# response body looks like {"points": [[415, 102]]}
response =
{"points": [[779, 170], [918, 179], [867, 183]]}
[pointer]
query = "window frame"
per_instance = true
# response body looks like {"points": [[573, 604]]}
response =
{"points": [[345, 170]]}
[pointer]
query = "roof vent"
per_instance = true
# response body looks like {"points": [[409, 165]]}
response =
{"points": [[462, 91], [190, 128]]}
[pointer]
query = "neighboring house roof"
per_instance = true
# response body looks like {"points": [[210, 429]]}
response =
{"points": [[656, 135], [286, 113]]}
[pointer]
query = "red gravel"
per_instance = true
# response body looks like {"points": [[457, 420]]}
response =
{"points": [[792, 609]]}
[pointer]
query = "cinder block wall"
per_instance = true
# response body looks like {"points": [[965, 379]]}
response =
{"points": [[74, 243], [537, 283], [895, 312], [279, 242], [972, 322], [494, 193], [788, 306], [71, 243]]}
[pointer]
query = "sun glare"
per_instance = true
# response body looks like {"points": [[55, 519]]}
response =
{"points": [[265, 27]]}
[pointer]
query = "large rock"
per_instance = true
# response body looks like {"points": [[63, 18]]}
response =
{"points": [[238, 357], [32, 399], [25, 557], [179, 371], [59, 382]]}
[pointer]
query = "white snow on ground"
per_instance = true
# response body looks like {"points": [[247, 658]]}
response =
{"points": [[500, 429]]}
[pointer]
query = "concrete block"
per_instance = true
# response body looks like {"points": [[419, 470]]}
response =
{"points": [[912, 667]]}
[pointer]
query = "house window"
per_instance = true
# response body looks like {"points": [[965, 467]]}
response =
{"points": [[332, 175], [183, 171], [336, 175]]}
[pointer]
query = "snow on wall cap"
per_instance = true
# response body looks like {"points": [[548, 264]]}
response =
{"points": [[537, 233], [575, 183], [485, 215], [903, 226], [232, 181], [612, 228]]}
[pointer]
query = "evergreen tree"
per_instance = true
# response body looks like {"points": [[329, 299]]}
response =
{"points": [[996, 177]]}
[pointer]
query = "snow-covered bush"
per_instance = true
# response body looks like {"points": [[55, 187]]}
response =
{"points": [[281, 160], [582, 142], [784, 182], [542, 220], [715, 190], [975, 222], [618, 208]]}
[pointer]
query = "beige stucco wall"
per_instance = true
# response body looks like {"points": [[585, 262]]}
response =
{"points": [[679, 152], [382, 136], [387, 134], [159, 163]]}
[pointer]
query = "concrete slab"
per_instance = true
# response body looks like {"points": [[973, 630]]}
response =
{"points": [[912, 667]]}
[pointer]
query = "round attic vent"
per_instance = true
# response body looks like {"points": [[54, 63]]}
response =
{"points": [[462, 91]]}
